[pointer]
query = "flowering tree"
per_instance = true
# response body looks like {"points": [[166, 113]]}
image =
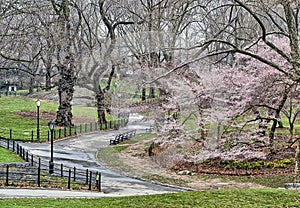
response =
{"points": [[259, 88], [234, 36]]}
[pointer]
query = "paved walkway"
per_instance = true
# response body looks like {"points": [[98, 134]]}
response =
{"points": [[80, 152], [48, 193]]}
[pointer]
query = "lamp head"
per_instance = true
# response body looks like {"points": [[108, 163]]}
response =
{"points": [[51, 124], [38, 103]]}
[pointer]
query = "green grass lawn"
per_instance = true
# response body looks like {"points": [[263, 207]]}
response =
{"points": [[9, 156], [10, 107], [232, 198]]}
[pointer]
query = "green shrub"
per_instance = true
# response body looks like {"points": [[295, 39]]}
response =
{"points": [[249, 165], [288, 161], [269, 165], [280, 165]]}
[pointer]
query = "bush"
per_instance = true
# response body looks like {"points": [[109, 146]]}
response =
{"points": [[248, 165]]}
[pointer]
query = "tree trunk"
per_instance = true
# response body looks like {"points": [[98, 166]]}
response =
{"points": [[297, 161], [277, 117], [65, 92], [100, 99], [280, 124], [66, 63], [31, 83], [143, 93], [48, 80], [152, 91]]}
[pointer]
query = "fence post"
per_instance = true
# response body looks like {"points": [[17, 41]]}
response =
{"points": [[61, 170], [7, 143], [10, 134], [91, 127], [87, 176], [20, 153], [39, 173], [65, 132], [70, 131], [98, 181], [27, 160], [74, 178], [48, 135], [32, 136], [7, 175], [69, 179], [17, 149], [80, 129], [90, 183], [31, 160]]}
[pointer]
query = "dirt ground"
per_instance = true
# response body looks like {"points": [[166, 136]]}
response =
{"points": [[51, 116], [142, 166]]}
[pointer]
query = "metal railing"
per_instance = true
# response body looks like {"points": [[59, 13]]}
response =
{"points": [[34, 172], [31, 135]]}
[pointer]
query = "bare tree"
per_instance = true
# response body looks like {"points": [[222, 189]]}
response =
{"points": [[67, 21]]}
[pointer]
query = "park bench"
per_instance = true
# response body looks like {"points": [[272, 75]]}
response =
{"points": [[122, 137], [150, 128]]}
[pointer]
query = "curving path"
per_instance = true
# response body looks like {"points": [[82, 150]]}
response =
{"points": [[81, 153]]}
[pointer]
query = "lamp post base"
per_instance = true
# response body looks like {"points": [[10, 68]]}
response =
{"points": [[51, 167]]}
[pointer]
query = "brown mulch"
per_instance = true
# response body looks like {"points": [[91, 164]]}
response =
{"points": [[142, 166], [33, 115], [44, 115]]}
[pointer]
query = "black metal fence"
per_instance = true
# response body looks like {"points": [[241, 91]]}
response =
{"points": [[34, 172], [31, 135], [8, 93]]}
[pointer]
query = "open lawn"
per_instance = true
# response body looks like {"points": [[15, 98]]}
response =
{"points": [[20, 113], [251, 198], [20, 116]]}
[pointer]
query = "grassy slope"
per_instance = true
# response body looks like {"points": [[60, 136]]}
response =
{"points": [[9, 156]]}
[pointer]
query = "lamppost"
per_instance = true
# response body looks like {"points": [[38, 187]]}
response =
{"points": [[51, 125], [38, 104]]}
